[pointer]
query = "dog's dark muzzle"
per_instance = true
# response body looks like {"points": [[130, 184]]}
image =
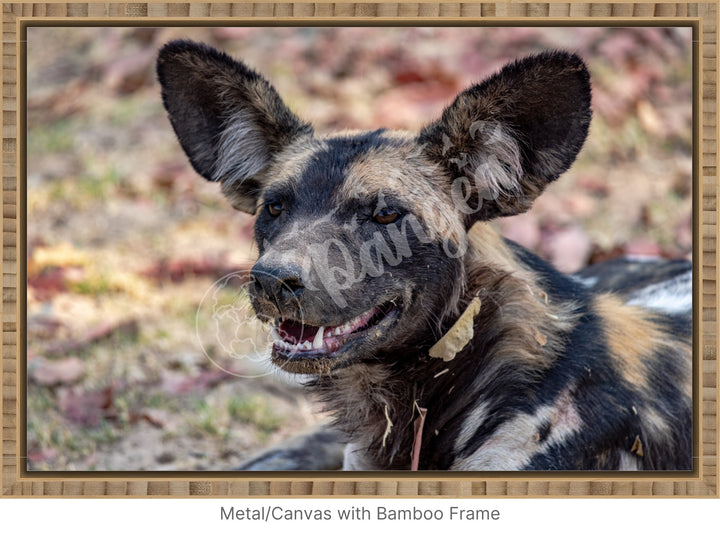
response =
{"points": [[311, 333], [279, 286]]}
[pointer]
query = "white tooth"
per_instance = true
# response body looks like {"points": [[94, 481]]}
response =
{"points": [[306, 345], [318, 341]]}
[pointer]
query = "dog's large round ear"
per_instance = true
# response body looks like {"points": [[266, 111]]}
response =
{"points": [[502, 141], [229, 120]]}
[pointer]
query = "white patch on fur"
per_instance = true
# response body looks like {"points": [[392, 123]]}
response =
{"points": [[510, 448], [628, 462], [516, 441], [353, 459], [496, 167], [643, 258], [588, 282], [673, 296], [474, 419], [242, 150], [653, 422]]}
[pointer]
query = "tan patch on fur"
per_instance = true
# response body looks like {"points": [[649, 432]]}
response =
{"points": [[488, 247], [295, 158], [632, 336], [402, 170], [535, 326]]}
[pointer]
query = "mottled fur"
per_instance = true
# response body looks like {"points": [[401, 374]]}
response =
{"points": [[381, 236]]}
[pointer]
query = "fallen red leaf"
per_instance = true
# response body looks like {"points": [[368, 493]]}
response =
{"points": [[155, 417], [174, 382], [128, 74], [46, 283], [87, 408], [205, 380], [100, 332], [177, 270], [39, 455], [56, 372]]}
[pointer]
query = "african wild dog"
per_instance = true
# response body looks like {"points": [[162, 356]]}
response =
{"points": [[383, 281]]}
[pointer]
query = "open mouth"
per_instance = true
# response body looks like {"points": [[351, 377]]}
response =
{"points": [[292, 337]]}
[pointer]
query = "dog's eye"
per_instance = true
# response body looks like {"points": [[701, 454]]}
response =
{"points": [[385, 216], [274, 208]]}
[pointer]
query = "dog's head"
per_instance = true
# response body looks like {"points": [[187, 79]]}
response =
{"points": [[361, 235]]}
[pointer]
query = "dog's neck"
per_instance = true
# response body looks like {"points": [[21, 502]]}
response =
{"points": [[518, 330]]}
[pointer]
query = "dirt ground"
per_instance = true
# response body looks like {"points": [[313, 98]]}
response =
{"points": [[142, 354]]}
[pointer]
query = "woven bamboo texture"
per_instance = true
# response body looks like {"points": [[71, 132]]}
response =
{"points": [[703, 482]]}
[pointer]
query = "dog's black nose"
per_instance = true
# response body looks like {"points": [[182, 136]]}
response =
{"points": [[280, 284]]}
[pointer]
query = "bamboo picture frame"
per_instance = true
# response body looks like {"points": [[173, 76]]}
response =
{"points": [[702, 481]]}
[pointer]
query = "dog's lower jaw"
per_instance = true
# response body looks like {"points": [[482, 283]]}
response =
{"points": [[338, 346]]}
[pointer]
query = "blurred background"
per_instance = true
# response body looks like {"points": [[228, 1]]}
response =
{"points": [[142, 350]]}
